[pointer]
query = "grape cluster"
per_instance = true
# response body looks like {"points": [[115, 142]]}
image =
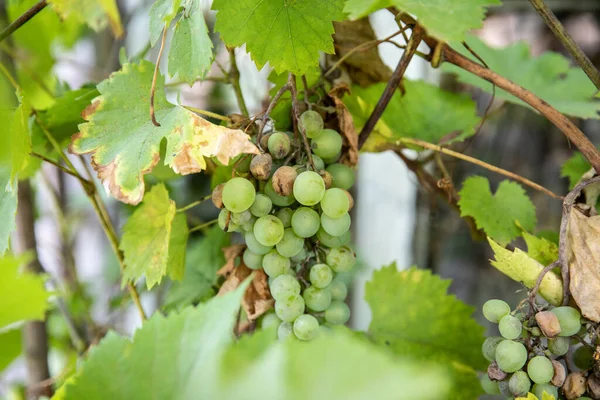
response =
{"points": [[539, 351], [295, 221]]}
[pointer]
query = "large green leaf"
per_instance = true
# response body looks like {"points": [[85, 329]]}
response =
{"points": [[96, 13], [497, 214], [415, 317], [446, 19], [549, 76], [10, 347], [286, 34], [23, 294], [161, 15], [424, 111], [154, 239], [574, 168]]}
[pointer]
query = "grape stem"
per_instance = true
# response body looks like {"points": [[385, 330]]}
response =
{"points": [[205, 225], [265, 116], [26, 16], [296, 118], [194, 204]]}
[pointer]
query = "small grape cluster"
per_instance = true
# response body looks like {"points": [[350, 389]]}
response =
{"points": [[295, 222], [539, 351]]}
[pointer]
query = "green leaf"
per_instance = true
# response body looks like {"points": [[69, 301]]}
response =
{"points": [[574, 168], [8, 208], [161, 14], [10, 347], [97, 14], [540, 249], [126, 144], [19, 138], [23, 294], [549, 76], [520, 267], [415, 317], [191, 53], [410, 115], [154, 239], [497, 213], [288, 34], [445, 19], [204, 258]]}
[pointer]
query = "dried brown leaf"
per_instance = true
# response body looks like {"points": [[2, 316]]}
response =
{"points": [[231, 253], [583, 251], [345, 125]]}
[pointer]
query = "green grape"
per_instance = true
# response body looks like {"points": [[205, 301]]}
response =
{"points": [[309, 188], [569, 319], [270, 320], [306, 327], [338, 313], [583, 358], [504, 389], [320, 275], [252, 260], [489, 386], [332, 160], [312, 123], [494, 310], [238, 194], [335, 203], [559, 346], [333, 241], [285, 216], [343, 176], [540, 369], [279, 145], [285, 287], [275, 264], [510, 327], [254, 245], [289, 309], [510, 356], [262, 205], [222, 220], [284, 330], [290, 244], [241, 218], [317, 299], [336, 226], [341, 259], [519, 384], [327, 144], [276, 198], [539, 389], [338, 290], [305, 222], [268, 230], [318, 161], [489, 347]]}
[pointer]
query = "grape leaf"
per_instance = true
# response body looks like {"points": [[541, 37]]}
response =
{"points": [[10, 347], [415, 316], [286, 34], [96, 13], [497, 214], [549, 76], [540, 249], [23, 294], [445, 19], [574, 168], [154, 239], [203, 260], [191, 53], [8, 208], [19, 138], [410, 115], [161, 15], [125, 144], [520, 267]]}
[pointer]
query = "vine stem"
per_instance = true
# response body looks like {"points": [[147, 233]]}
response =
{"points": [[561, 33], [194, 204], [296, 112], [265, 117], [61, 167], [155, 76], [202, 226], [234, 79], [397, 75], [208, 113], [26, 16], [482, 164]]}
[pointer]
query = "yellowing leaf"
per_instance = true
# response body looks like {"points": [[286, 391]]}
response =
{"points": [[540, 249], [520, 267], [96, 13], [125, 144]]}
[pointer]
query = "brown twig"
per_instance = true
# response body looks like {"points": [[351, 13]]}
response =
{"points": [[234, 79], [397, 75], [296, 112], [26, 16], [265, 116], [155, 76], [538, 282], [561, 33]]}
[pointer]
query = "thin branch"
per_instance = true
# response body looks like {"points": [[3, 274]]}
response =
{"points": [[155, 76], [485, 165], [265, 117], [208, 113], [64, 169], [202, 226], [9, 77], [561, 33], [19, 22], [296, 118], [194, 204], [234, 78], [220, 79], [397, 75]]}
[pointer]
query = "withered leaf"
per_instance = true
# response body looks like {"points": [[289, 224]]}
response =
{"points": [[230, 253], [345, 125], [583, 247]]}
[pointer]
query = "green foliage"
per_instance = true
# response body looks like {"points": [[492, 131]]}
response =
{"points": [[96, 13], [19, 138], [448, 20], [541, 249], [161, 15], [8, 208], [23, 294], [286, 34], [574, 168], [10, 347], [497, 214], [412, 114], [414, 316], [154, 239], [549, 76]]}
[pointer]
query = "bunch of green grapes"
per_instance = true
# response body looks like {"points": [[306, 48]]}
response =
{"points": [[548, 351], [296, 224]]}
